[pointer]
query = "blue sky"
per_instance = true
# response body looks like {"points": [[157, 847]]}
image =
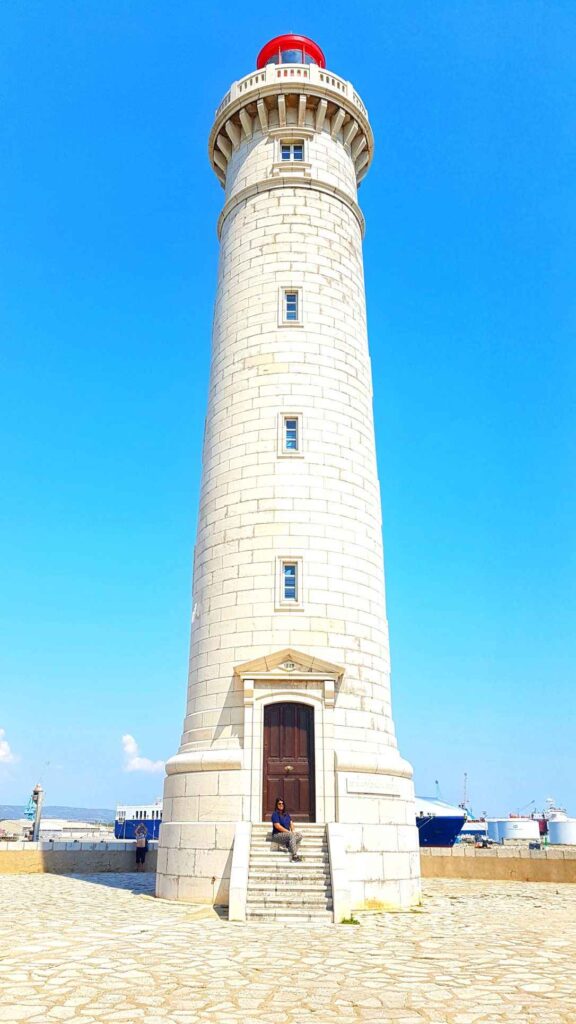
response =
{"points": [[107, 273]]}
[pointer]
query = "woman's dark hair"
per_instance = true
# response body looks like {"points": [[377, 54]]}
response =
{"points": [[279, 800]]}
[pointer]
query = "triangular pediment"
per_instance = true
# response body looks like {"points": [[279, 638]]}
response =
{"points": [[289, 662]]}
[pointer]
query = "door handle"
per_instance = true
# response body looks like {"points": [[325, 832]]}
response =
{"points": [[288, 768]]}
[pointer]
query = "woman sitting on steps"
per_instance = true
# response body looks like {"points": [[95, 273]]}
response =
{"points": [[283, 829]]}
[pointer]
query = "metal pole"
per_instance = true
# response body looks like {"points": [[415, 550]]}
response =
{"points": [[38, 797]]}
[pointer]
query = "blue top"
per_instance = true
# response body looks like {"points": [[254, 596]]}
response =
{"points": [[282, 819]]}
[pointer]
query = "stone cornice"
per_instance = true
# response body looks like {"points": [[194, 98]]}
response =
{"points": [[386, 762], [204, 761]]}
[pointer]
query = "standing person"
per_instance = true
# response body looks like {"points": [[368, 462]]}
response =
{"points": [[141, 846], [283, 829]]}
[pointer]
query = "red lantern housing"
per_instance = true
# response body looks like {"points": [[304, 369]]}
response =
{"points": [[291, 49]]}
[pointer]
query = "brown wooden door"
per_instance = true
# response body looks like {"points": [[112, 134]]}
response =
{"points": [[289, 760]]}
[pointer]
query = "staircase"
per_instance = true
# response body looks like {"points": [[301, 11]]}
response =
{"points": [[282, 890]]}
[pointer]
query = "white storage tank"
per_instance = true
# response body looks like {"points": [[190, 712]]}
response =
{"points": [[562, 832], [493, 830], [518, 828]]}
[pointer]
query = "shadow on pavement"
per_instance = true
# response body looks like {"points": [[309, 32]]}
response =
{"points": [[132, 881]]}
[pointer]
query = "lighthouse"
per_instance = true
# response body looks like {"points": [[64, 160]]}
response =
{"points": [[289, 675]]}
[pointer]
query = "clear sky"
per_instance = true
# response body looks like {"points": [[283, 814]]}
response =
{"points": [[108, 258]]}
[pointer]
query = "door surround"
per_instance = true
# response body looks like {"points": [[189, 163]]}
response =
{"points": [[286, 676], [289, 721]]}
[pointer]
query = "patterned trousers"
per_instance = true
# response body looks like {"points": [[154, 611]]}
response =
{"points": [[291, 840]]}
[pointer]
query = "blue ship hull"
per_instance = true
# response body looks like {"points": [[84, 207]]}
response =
{"points": [[438, 831], [439, 823]]}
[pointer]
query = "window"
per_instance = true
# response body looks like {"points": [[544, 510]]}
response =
{"points": [[289, 582], [291, 56], [292, 150], [291, 435], [289, 590], [290, 307]]}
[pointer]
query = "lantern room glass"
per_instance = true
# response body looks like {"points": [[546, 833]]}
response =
{"points": [[291, 57]]}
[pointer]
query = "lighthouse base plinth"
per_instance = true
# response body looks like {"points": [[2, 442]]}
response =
{"points": [[374, 851]]}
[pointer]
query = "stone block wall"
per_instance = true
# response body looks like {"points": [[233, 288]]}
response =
{"points": [[502, 863], [63, 858], [257, 505]]}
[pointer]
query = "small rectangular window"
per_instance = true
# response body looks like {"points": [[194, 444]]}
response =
{"points": [[290, 582], [292, 150], [291, 305], [291, 435]]}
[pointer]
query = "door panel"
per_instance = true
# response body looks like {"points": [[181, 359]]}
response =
{"points": [[289, 760]]}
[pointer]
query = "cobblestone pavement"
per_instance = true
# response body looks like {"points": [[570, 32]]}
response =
{"points": [[97, 948]]}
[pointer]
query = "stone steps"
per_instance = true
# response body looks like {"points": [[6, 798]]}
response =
{"points": [[286, 891], [310, 831], [291, 899], [303, 827], [291, 881], [273, 857], [305, 884], [288, 915]]}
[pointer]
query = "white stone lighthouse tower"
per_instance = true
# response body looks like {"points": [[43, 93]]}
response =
{"points": [[289, 689]]}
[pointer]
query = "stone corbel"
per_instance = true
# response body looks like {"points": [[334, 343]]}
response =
{"points": [[362, 162], [220, 161], [246, 122], [302, 110], [224, 146], [329, 693], [350, 132], [336, 122], [358, 146], [321, 114], [233, 133], [263, 114]]}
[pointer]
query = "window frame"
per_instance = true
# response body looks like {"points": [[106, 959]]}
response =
{"points": [[289, 603], [283, 292], [283, 450], [291, 142]]}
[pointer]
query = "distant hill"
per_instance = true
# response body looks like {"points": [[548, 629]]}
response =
{"points": [[94, 814]]}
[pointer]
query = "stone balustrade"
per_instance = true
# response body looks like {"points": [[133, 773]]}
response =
{"points": [[273, 74]]}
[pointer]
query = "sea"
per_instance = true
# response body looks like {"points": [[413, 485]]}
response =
{"points": [[92, 814]]}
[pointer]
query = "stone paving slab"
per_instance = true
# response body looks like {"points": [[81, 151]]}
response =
{"points": [[96, 949]]}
